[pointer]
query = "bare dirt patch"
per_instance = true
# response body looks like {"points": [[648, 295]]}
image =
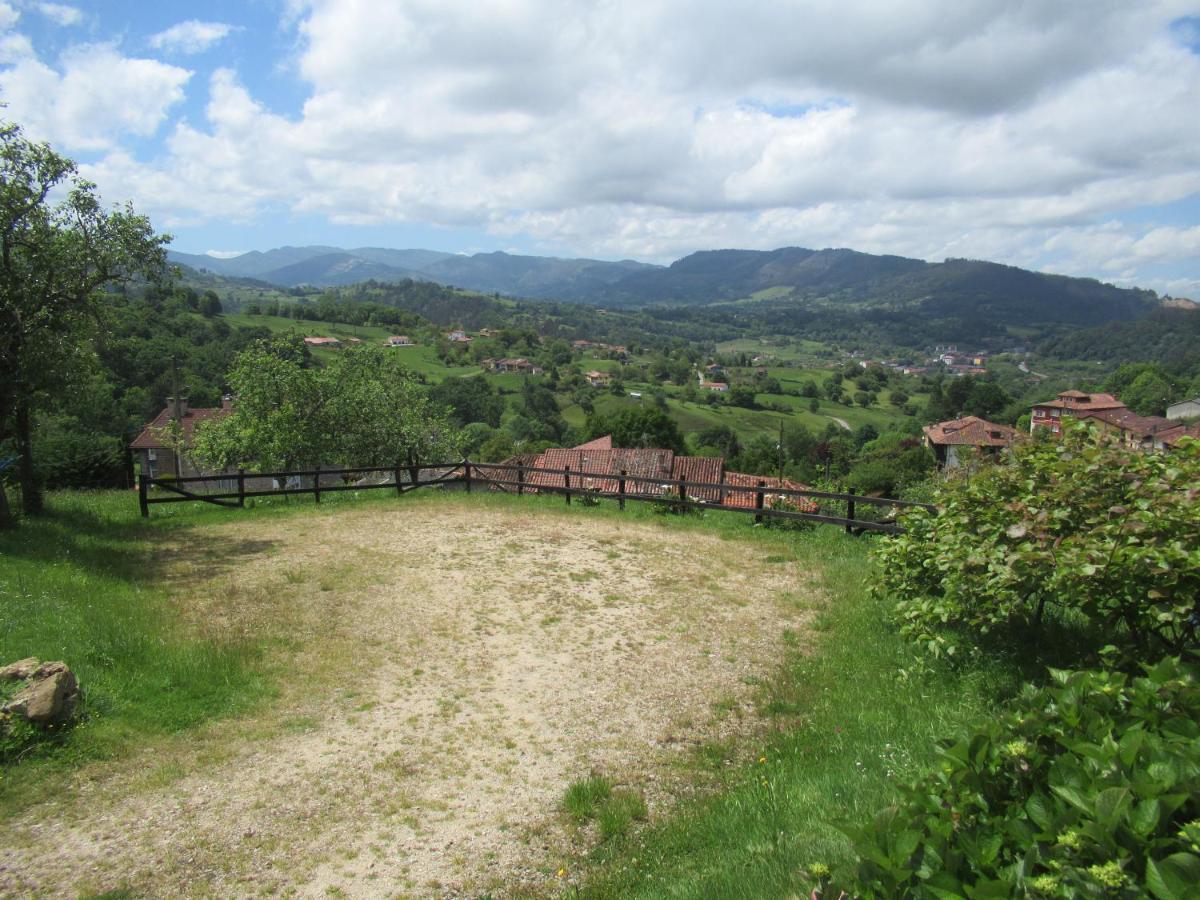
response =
{"points": [[450, 668]]}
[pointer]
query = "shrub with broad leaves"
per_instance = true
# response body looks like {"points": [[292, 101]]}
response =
{"points": [[1081, 526], [1089, 787]]}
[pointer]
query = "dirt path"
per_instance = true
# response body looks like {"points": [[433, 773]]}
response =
{"points": [[455, 668], [842, 423]]}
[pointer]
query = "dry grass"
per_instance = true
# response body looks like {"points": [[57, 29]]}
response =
{"points": [[446, 670]]}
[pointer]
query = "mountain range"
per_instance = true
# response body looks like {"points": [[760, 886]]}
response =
{"points": [[791, 276]]}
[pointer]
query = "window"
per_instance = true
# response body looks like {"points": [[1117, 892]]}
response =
{"points": [[1055, 413]]}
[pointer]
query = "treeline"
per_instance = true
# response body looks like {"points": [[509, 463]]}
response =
{"points": [[1168, 336]]}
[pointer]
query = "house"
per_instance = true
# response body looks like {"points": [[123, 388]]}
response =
{"points": [[719, 386], [714, 369], [1184, 409], [1136, 432], [399, 340], [580, 345], [322, 342], [489, 332], [173, 430], [519, 365], [948, 439], [598, 379], [1049, 414], [459, 337]]}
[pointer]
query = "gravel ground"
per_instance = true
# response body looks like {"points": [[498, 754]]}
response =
{"points": [[450, 669]]}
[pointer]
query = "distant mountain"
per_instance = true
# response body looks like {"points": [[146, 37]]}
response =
{"points": [[541, 277], [337, 269], [771, 285]]}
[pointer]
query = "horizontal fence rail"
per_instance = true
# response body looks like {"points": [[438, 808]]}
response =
{"points": [[233, 488]]}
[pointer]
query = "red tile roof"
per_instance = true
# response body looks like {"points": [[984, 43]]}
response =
{"points": [[703, 469], [1078, 400], [970, 430], [600, 443], [153, 435], [746, 499], [1127, 420]]}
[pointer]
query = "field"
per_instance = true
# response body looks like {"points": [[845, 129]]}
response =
{"points": [[445, 695]]}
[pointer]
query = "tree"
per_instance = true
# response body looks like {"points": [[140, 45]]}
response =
{"points": [[1148, 394], [54, 260], [210, 305], [640, 426], [364, 409], [471, 399]]}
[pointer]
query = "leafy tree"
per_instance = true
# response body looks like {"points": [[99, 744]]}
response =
{"points": [[472, 399], [209, 305], [721, 438], [1148, 395], [364, 409], [640, 426], [742, 396], [55, 257]]}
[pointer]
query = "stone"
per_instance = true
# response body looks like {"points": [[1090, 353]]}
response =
{"points": [[50, 696], [20, 670]]}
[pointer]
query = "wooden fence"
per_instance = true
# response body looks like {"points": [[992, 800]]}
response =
{"points": [[856, 513]]}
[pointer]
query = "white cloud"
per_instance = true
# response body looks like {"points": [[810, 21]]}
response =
{"points": [[1019, 132], [60, 13], [8, 16], [93, 97], [192, 36]]}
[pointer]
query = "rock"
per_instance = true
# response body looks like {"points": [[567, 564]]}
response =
{"points": [[49, 697], [19, 670]]}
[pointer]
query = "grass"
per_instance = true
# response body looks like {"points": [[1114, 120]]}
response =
{"points": [[79, 584], [854, 716], [594, 799]]}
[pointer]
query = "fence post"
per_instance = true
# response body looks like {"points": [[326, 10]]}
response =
{"points": [[396, 475], [143, 499], [414, 475], [621, 490], [850, 511], [467, 473], [241, 487], [317, 484], [520, 480], [567, 483], [758, 502], [721, 490], [682, 494]]}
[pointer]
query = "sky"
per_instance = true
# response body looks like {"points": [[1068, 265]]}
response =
{"points": [[1060, 136]]}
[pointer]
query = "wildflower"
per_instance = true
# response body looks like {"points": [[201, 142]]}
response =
{"points": [[1014, 749], [1109, 874], [1044, 884], [819, 871], [762, 760], [561, 873], [1070, 839]]}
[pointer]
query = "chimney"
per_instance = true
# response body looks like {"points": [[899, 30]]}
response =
{"points": [[178, 407], [227, 401]]}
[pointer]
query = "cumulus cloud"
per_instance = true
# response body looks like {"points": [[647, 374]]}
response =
{"points": [[94, 96], [60, 13], [192, 36], [1019, 132]]}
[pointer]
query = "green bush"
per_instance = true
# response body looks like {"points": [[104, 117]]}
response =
{"points": [[1096, 532], [1087, 788]]}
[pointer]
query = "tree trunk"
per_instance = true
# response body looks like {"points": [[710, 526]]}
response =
{"points": [[31, 491], [7, 520]]}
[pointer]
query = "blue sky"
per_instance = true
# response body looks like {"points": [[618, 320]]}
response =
{"points": [[1063, 137]]}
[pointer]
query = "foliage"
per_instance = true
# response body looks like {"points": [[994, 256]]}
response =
{"points": [[639, 426], [55, 256], [1082, 525], [364, 409], [1089, 787], [470, 400]]}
